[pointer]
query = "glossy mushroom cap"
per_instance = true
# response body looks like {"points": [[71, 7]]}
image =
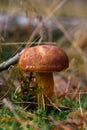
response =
{"points": [[43, 58]]}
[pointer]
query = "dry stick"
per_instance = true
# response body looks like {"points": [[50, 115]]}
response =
{"points": [[61, 27], [79, 50], [23, 124], [81, 111], [70, 38], [5, 93], [12, 43], [44, 20], [76, 91], [9, 105], [5, 65], [9, 63], [12, 61], [57, 124]]}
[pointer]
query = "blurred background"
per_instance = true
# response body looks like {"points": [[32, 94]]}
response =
{"points": [[20, 7], [63, 22]]}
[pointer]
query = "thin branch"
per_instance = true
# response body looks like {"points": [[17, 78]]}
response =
{"points": [[44, 20], [5, 65], [12, 61], [24, 123]]}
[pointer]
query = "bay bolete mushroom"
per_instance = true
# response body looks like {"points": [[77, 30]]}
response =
{"points": [[44, 60]]}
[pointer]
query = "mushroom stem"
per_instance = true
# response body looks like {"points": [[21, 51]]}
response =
{"points": [[46, 87]]}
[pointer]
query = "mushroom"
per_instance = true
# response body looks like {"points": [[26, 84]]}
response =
{"points": [[44, 60]]}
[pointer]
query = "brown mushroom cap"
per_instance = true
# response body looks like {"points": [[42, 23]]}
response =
{"points": [[43, 58]]}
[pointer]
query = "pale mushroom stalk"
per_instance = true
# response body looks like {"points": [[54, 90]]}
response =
{"points": [[46, 87]]}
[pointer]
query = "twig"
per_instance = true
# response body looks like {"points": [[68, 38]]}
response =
{"points": [[59, 5], [82, 114], [57, 124], [12, 61], [80, 108], [17, 117], [76, 92], [9, 105], [9, 63]]}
